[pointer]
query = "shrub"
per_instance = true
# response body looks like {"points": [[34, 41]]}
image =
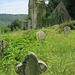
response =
{"points": [[70, 24], [16, 24], [5, 29]]}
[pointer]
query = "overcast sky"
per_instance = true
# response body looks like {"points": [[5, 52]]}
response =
{"points": [[14, 6]]}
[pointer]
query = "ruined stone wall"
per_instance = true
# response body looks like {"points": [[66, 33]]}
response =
{"points": [[32, 14], [62, 10], [41, 13], [35, 6], [37, 14], [25, 25]]}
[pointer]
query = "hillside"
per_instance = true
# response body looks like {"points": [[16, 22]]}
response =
{"points": [[56, 50], [6, 19]]}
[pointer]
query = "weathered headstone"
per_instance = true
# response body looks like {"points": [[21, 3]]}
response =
{"points": [[67, 29], [31, 66], [3, 44], [40, 34], [43, 28]]}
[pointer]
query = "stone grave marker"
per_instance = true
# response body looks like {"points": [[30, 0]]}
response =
{"points": [[67, 29], [3, 44], [43, 28], [31, 66], [40, 34]]}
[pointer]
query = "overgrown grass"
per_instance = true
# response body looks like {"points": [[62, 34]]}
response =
{"points": [[56, 50]]}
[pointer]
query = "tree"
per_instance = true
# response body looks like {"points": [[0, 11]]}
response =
{"points": [[15, 24], [51, 6], [70, 5]]}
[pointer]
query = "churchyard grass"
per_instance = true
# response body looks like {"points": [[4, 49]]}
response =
{"points": [[57, 50]]}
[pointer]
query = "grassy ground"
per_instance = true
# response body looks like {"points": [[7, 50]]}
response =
{"points": [[56, 50]]}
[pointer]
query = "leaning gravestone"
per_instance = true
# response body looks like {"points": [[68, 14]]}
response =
{"points": [[3, 44], [67, 29], [31, 66], [40, 34]]}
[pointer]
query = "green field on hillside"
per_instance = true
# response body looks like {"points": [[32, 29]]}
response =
{"points": [[57, 50], [6, 19]]}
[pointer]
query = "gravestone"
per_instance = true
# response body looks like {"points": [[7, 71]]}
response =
{"points": [[43, 28], [67, 29], [40, 34], [31, 66], [3, 44]]}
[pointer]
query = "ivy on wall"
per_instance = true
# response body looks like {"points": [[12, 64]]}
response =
{"points": [[54, 18], [40, 13], [39, 19]]}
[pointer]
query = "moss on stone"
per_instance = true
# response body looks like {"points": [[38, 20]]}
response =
{"points": [[26, 19], [41, 13]]}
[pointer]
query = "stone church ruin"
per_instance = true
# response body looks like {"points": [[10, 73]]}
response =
{"points": [[37, 12], [36, 7], [61, 11]]}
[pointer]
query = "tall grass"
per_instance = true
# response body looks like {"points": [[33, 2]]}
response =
{"points": [[56, 50]]}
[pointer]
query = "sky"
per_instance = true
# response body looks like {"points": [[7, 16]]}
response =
{"points": [[14, 6]]}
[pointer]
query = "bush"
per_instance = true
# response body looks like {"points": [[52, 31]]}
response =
{"points": [[70, 24], [5, 29], [16, 24]]}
